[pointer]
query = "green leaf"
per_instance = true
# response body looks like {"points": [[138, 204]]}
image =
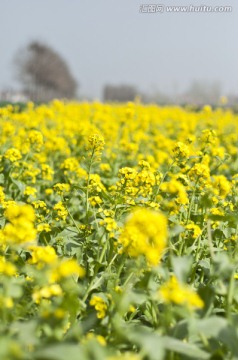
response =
{"points": [[176, 230], [182, 267], [205, 264], [60, 352], [211, 326], [219, 328], [26, 332], [2, 179], [227, 232], [20, 185], [184, 348], [148, 342], [180, 330], [14, 290]]}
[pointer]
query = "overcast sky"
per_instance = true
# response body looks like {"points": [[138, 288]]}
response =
{"points": [[110, 41]]}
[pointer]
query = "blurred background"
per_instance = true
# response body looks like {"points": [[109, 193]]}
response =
{"points": [[112, 51]]}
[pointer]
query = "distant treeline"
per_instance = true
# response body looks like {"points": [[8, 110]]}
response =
{"points": [[20, 106]]}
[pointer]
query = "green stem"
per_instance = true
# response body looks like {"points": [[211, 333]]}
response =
{"points": [[128, 278], [87, 189], [209, 236], [199, 238], [71, 217], [181, 247], [230, 294], [94, 283], [162, 180], [103, 249]]}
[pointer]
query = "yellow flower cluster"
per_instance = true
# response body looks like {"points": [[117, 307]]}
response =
{"points": [[175, 292], [134, 183], [36, 139], [20, 228], [181, 151], [96, 142], [47, 292], [176, 189], [109, 224], [95, 200], [2, 195], [66, 268], [195, 230], [47, 172], [13, 154], [95, 146], [6, 267], [145, 233], [221, 185], [200, 172], [100, 306], [62, 212], [42, 254], [61, 189]]}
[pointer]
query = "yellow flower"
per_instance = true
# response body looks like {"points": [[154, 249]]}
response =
{"points": [[216, 211], [95, 200], [145, 233], [30, 191], [96, 142], [48, 191], [95, 184], [39, 204], [99, 338], [199, 172], [181, 151], [127, 173], [65, 269], [13, 155], [70, 164], [42, 254], [20, 228], [36, 139], [6, 267], [174, 187], [43, 227], [47, 172], [221, 185], [15, 213], [61, 189], [62, 212], [46, 292], [195, 230], [100, 306], [109, 224], [105, 167], [144, 164], [173, 291], [109, 213], [208, 136], [2, 195], [8, 203], [6, 302]]}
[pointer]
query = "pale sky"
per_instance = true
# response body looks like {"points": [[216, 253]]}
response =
{"points": [[110, 41]]}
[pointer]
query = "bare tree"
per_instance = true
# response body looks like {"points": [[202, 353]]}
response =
{"points": [[44, 74], [202, 92], [119, 93]]}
